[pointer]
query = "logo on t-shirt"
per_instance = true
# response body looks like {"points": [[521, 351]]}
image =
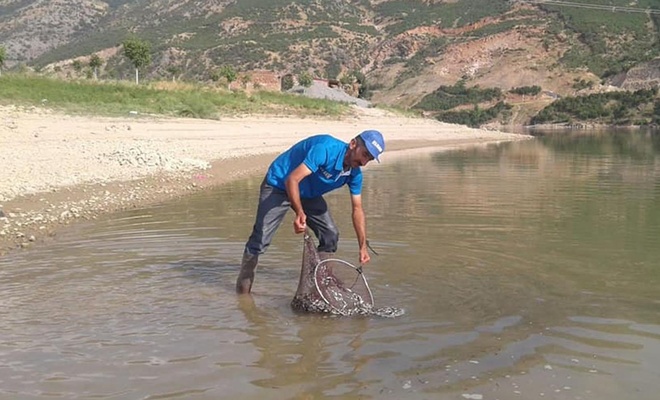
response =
{"points": [[325, 173]]}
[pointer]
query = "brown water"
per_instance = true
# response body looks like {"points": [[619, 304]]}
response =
{"points": [[526, 270]]}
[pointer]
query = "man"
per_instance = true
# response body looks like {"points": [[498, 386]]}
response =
{"points": [[298, 178]]}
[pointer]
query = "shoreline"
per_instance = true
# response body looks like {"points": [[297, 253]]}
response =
{"points": [[583, 127], [60, 169]]}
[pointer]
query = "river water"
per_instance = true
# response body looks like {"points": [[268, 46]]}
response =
{"points": [[526, 270]]}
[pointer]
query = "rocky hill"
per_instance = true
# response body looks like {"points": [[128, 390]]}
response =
{"points": [[400, 50]]}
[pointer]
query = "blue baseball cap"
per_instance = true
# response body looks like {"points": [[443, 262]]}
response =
{"points": [[374, 142]]}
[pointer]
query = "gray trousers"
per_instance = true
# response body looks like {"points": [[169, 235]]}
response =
{"points": [[273, 205]]}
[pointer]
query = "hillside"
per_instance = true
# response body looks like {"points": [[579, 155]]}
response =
{"points": [[400, 50]]}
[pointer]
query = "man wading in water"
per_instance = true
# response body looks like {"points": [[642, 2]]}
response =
{"points": [[298, 178]]}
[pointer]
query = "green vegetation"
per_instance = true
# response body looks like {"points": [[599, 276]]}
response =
{"points": [[356, 76], [77, 65], [95, 63], [445, 98], [287, 82], [412, 13], [504, 26], [305, 79], [117, 3], [608, 41], [245, 79], [526, 90], [359, 28], [268, 11], [3, 55], [614, 108], [228, 73], [579, 84], [477, 116], [13, 6], [92, 42], [89, 97], [138, 51], [333, 68], [365, 87], [448, 97], [174, 71]]}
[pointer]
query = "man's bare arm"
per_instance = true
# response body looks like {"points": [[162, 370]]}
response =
{"points": [[292, 184], [360, 225]]}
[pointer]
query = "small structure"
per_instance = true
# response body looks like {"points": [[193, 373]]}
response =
{"points": [[265, 80], [331, 83]]}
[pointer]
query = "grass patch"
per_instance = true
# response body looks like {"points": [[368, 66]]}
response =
{"points": [[120, 98], [640, 107], [448, 97]]}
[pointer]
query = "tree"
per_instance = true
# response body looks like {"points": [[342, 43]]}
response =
{"points": [[347, 79], [138, 52], [77, 65], [95, 63], [287, 82], [229, 73], [215, 76], [305, 79], [174, 71], [656, 112], [363, 86], [3, 55], [333, 69], [245, 79]]}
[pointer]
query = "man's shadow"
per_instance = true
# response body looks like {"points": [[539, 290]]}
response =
{"points": [[279, 334], [312, 341]]}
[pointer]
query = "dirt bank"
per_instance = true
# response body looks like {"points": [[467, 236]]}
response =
{"points": [[57, 169]]}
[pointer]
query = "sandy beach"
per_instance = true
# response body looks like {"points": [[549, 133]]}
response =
{"points": [[57, 169]]}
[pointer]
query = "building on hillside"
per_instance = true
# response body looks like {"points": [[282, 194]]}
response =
{"points": [[331, 83], [258, 80], [352, 89]]}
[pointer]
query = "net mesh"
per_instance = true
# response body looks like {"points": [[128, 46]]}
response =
{"points": [[342, 286], [333, 286], [307, 298]]}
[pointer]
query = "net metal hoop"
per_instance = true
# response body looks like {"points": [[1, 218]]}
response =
{"points": [[370, 300]]}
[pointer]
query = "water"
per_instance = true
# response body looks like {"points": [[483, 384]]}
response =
{"points": [[527, 270]]}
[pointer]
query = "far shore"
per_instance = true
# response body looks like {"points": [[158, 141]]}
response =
{"points": [[58, 169], [582, 126]]}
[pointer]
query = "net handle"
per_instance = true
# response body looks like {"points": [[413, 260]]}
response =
{"points": [[370, 248]]}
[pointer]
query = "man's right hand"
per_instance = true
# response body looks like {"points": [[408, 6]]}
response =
{"points": [[364, 256], [300, 223]]}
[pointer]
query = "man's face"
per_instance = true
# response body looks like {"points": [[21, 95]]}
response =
{"points": [[358, 155]]}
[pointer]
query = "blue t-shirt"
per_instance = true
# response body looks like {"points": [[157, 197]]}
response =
{"points": [[324, 156]]}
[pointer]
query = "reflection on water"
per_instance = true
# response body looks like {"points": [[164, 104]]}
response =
{"points": [[527, 270]]}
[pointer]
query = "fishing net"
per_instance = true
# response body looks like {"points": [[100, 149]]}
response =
{"points": [[330, 285]]}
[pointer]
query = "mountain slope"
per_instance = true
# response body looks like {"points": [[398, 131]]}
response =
{"points": [[406, 49], [29, 29]]}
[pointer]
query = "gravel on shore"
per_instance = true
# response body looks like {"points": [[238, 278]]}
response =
{"points": [[57, 169]]}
